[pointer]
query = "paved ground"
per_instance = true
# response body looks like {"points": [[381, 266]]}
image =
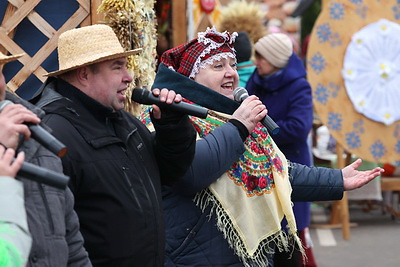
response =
{"points": [[374, 241]]}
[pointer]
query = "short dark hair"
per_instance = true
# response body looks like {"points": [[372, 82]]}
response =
{"points": [[243, 47]]}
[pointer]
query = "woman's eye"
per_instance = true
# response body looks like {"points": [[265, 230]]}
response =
{"points": [[218, 66]]}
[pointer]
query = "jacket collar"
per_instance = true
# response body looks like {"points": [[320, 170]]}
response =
{"points": [[91, 119]]}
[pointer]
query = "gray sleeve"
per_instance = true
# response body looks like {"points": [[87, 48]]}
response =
{"points": [[15, 240]]}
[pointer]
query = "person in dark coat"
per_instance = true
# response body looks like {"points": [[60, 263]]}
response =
{"points": [[115, 163], [280, 82], [52, 221], [198, 232]]}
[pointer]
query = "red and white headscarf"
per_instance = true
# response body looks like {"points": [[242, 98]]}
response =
{"points": [[211, 45]]}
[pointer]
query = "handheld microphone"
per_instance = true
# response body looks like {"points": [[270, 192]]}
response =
{"points": [[146, 97], [41, 135], [42, 175], [240, 94]]}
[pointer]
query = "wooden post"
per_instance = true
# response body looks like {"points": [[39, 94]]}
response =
{"points": [[340, 208], [342, 204], [179, 22], [8, 14]]}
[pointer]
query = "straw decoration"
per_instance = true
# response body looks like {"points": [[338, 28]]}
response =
{"points": [[240, 15], [134, 23]]}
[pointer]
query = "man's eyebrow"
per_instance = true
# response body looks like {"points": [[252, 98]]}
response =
{"points": [[119, 62]]}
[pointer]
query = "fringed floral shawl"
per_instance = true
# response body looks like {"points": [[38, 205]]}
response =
{"points": [[252, 197]]}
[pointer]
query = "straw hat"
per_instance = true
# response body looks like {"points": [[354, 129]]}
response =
{"points": [[87, 45], [5, 59]]}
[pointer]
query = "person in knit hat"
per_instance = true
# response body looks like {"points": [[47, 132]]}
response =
{"points": [[276, 48], [280, 82], [226, 210]]}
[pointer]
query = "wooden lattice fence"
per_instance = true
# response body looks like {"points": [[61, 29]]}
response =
{"points": [[16, 12]]}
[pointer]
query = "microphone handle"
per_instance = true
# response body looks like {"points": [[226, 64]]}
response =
{"points": [[271, 126], [47, 140], [42, 175], [146, 97]]}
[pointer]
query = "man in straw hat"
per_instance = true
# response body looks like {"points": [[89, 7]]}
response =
{"points": [[52, 222], [115, 164]]}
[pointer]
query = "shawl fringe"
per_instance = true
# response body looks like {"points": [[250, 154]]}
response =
{"points": [[282, 240]]}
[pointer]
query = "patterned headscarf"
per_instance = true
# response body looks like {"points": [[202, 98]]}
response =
{"points": [[209, 46]]}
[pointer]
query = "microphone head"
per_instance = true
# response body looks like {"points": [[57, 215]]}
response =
{"points": [[239, 93], [139, 95]]}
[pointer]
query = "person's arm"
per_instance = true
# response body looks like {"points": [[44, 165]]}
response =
{"points": [[175, 138], [319, 183], [15, 240], [215, 153], [315, 183]]}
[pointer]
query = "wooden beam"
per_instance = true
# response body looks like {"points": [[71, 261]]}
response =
{"points": [[8, 14], [24, 8], [32, 65], [390, 183], [179, 23]]}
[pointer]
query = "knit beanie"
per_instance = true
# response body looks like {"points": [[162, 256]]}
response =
{"points": [[276, 48], [211, 45], [242, 47]]}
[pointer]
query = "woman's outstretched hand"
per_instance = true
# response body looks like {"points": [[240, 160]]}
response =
{"points": [[352, 178]]}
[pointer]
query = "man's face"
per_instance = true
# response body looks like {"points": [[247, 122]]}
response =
{"points": [[108, 81], [220, 76]]}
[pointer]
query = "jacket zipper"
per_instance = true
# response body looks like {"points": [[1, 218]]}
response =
{"points": [[131, 187], [156, 202], [131, 135]]}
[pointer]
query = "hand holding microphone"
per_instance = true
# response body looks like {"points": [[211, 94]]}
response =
{"points": [[240, 94], [11, 123], [17, 119], [10, 166], [143, 96]]}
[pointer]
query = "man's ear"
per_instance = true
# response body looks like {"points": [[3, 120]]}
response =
{"points": [[82, 74]]}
